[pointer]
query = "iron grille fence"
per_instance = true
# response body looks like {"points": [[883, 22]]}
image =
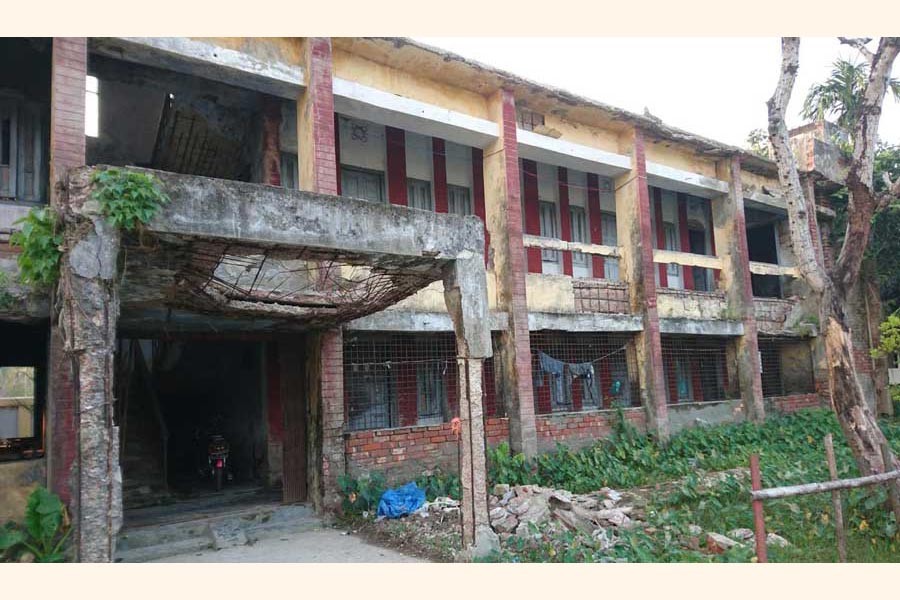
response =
{"points": [[583, 371], [698, 369], [787, 366], [405, 380]]}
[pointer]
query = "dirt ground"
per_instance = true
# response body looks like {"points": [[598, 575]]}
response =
{"points": [[325, 545]]}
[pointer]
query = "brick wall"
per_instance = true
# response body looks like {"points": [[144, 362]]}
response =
{"points": [[599, 296], [793, 403], [577, 430], [331, 389]]}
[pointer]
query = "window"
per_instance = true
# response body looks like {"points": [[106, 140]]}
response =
{"points": [[528, 119], [19, 413], [22, 150], [610, 236], [362, 184], [579, 234], [418, 194], [92, 107], [672, 269], [431, 393], [549, 229], [289, 171], [459, 200], [373, 407]]}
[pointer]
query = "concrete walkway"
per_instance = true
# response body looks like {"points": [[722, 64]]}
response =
{"points": [[318, 545]]}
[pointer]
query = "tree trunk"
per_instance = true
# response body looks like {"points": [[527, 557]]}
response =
{"points": [[858, 423]]}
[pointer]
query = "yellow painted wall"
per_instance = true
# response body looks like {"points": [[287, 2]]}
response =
{"points": [[431, 298], [586, 135], [549, 293], [281, 49], [691, 306], [754, 182], [408, 84], [678, 158]]}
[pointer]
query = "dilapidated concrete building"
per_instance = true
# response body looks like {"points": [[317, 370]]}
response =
{"points": [[365, 239]]}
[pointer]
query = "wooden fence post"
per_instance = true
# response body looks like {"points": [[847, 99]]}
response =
{"points": [[892, 486], [836, 500], [759, 523]]}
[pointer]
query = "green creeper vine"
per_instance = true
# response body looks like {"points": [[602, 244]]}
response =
{"points": [[127, 199], [40, 241]]}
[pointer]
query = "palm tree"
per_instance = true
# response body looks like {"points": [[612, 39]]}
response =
{"points": [[841, 94]]}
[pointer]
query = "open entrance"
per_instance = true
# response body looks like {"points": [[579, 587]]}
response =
{"points": [[200, 422]]}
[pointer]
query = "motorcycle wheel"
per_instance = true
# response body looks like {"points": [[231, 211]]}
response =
{"points": [[219, 479]]}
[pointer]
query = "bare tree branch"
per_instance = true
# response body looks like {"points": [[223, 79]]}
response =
{"points": [[859, 44], [798, 211]]}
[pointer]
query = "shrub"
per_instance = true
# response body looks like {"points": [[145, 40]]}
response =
{"points": [[44, 532], [40, 242], [128, 198], [361, 495]]}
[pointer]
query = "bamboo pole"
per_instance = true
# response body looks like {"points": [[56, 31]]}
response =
{"points": [[827, 486], [759, 522], [836, 500], [892, 487]]}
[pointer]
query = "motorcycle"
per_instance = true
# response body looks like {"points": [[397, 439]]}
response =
{"points": [[217, 459]]}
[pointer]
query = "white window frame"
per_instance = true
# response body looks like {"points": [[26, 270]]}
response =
{"points": [[418, 194]]}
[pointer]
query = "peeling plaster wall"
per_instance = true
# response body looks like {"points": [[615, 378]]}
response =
{"points": [[550, 293], [693, 305], [408, 83], [672, 155], [17, 480], [581, 133]]}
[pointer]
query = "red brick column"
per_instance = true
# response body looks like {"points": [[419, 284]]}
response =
{"points": [[740, 297], [67, 150], [396, 165], [643, 292], [504, 220], [315, 121], [596, 223], [532, 212], [271, 144], [331, 393], [684, 234], [439, 161]]}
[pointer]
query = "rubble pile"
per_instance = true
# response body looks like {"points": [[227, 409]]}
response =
{"points": [[513, 509]]}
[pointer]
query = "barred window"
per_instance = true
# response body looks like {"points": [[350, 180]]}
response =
{"points": [[459, 200]]}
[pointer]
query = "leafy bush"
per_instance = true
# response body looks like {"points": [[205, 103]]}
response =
{"points": [[44, 532], [127, 198], [40, 242], [436, 484], [363, 494]]}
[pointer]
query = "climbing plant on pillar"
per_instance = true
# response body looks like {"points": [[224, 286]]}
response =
{"points": [[128, 199], [40, 239]]}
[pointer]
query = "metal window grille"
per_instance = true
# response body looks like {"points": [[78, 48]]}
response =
{"points": [[578, 219], [459, 200], [419, 194], [362, 184], [697, 369], [405, 380], [528, 119], [583, 371], [549, 229], [787, 366]]}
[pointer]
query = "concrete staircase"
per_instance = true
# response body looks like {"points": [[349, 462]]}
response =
{"points": [[236, 527]]}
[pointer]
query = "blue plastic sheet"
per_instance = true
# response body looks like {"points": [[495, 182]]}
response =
{"points": [[404, 500]]}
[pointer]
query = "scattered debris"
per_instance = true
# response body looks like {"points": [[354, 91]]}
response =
{"points": [[717, 543], [773, 539]]}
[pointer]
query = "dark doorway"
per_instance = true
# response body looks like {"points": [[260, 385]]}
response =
{"points": [[762, 247]]}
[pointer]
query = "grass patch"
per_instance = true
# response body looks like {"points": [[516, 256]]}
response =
{"points": [[791, 452]]}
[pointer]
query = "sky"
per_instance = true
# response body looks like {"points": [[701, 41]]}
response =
{"points": [[715, 87]]}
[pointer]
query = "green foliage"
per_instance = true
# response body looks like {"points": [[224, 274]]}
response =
{"points": [[889, 336], [128, 198], [44, 532], [437, 484], [840, 95], [758, 143], [40, 242], [363, 494], [7, 300], [791, 452]]}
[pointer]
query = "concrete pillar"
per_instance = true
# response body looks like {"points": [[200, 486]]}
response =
{"points": [[504, 224], [90, 308], [636, 268], [465, 292], [730, 231], [316, 150], [67, 150]]}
